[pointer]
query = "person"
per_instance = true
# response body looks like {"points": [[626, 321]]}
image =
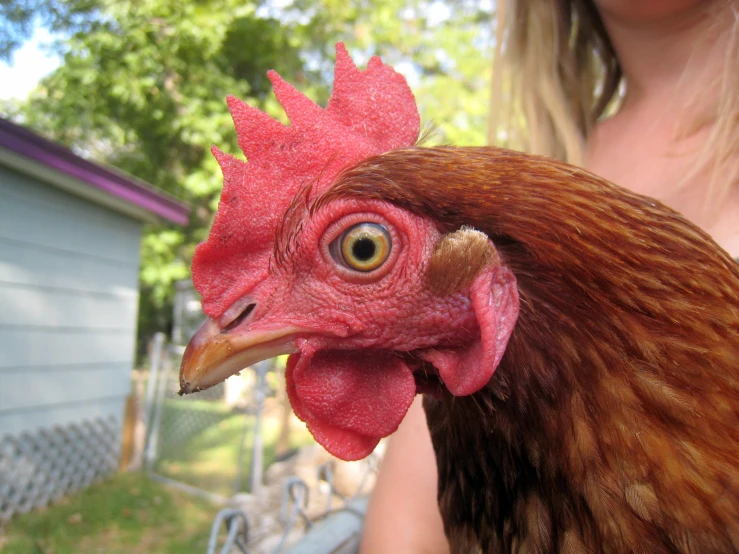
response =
{"points": [[644, 93]]}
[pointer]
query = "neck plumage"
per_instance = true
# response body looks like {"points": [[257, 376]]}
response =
{"points": [[588, 429]]}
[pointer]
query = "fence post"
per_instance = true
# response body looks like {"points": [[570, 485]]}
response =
{"points": [[237, 484], [155, 363], [257, 455], [164, 361]]}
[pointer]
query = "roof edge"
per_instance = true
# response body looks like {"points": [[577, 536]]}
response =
{"points": [[111, 181]]}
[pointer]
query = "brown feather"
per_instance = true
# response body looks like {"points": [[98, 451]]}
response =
{"points": [[457, 259], [612, 423]]}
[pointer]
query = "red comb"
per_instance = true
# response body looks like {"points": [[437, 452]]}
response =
{"points": [[370, 112]]}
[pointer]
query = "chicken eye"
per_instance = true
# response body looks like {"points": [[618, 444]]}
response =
{"points": [[362, 247]]}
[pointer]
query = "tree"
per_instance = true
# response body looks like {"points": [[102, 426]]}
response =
{"points": [[19, 17], [142, 87]]}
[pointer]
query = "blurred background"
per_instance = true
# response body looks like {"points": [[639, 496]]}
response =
{"points": [[107, 114]]}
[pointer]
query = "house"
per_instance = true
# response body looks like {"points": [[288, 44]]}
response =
{"points": [[70, 234]]}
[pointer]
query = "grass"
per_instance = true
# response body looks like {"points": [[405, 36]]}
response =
{"points": [[126, 514]]}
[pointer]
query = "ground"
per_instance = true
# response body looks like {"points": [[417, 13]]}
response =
{"points": [[124, 514]]}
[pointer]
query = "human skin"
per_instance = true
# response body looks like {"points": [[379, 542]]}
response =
{"points": [[666, 61]]}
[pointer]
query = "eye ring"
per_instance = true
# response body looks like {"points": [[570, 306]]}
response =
{"points": [[363, 247]]}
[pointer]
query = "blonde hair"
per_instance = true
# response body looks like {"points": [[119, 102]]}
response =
{"points": [[555, 74]]}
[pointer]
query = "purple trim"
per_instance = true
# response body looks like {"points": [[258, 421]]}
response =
{"points": [[127, 188]]}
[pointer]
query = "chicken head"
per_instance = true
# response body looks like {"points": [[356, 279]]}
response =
{"points": [[372, 302]]}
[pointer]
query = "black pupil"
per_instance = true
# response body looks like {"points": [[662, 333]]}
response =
{"points": [[363, 249]]}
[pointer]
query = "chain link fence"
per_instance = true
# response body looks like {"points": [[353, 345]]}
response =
{"points": [[203, 441], [214, 444], [239, 445]]}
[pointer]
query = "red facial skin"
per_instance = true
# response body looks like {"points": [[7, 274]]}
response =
{"points": [[346, 382], [390, 308], [362, 335]]}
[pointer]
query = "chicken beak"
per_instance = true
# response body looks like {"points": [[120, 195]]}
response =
{"points": [[214, 355]]}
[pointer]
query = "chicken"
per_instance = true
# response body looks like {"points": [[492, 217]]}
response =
{"points": [[577, 344]]}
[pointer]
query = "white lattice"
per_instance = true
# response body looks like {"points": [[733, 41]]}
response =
{"points": [[38, 467]]}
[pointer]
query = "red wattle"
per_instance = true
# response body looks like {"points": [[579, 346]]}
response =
{"points": [[349, 399]]}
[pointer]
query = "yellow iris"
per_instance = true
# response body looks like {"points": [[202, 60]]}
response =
{"points": [[365, 247]]}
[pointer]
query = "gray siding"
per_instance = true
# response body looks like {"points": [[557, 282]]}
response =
{"points": [[68, 301]]}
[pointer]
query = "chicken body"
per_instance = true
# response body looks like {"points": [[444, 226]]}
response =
{"points": [[577, 344], [612, 422]]}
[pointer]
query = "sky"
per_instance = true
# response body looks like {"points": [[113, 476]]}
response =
{"points": [[30, 64]]}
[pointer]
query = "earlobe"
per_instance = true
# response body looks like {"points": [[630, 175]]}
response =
{"points": [[467, 369], [495, 300]]}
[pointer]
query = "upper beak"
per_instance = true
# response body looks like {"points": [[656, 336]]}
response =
{"points": [[214, 355]]}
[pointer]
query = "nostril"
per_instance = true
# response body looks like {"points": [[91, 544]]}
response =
{"points": [[239, 318]]}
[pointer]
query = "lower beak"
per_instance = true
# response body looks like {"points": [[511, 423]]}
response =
{"points": [[213, 355]]}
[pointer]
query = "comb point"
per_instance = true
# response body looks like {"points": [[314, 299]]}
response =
{"points": [[252, 126], [344, 62], [225, 159], [299, 108], [374, 62]]}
